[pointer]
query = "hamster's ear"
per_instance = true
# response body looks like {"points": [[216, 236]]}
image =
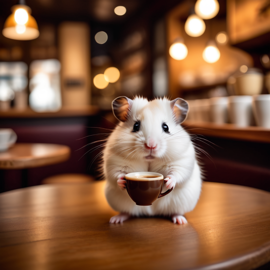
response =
{"points": [[180, 110], [121, 107]]}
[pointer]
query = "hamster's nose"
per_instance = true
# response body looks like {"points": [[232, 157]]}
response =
{"points": [[150, 146]]}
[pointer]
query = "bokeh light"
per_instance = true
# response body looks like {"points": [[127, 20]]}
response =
{"points": [[112, 74], [194, 26], [243, 68], [21, 16], [207, 9], [222, 38], [120, 10], [178, 51], [101, 37], [211, 54], [100, 82]]}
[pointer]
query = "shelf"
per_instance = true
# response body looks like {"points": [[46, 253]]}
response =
{"points": [[63, 112], [256, 134]]}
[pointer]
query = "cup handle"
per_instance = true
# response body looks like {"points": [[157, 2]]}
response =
{"points": [[13, 138], [165, 193]]}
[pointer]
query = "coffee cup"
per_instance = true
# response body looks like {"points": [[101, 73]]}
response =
{"points": [[145, 187], [219, 110], [240, 111], [261, 109], [7, 138]]}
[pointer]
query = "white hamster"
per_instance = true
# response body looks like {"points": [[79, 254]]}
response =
{"points": [[150, 138]]}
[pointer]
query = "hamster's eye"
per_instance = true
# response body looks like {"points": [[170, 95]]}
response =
{"points": [[136, 126], [165, 128]]}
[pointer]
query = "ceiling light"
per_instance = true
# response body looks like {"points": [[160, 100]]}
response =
{"points": [[100, 82], [211, 53], [243, 68], [207, 9], [178, 50], [111, 74], [194, 26], [222, 38], [101, 37], [120, 10], [20, 25]]}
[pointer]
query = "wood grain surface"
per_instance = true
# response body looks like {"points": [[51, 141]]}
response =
{"points": [[256, 134], [25, 155], [66, 227]]}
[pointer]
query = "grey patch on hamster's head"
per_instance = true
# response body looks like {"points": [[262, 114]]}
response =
{"points": [[121, 107], [180, 110]]}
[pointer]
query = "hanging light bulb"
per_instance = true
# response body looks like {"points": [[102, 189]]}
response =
{"points": [[20, 25], [194, 26], [211, 53], [178, 50], [207, 9]]}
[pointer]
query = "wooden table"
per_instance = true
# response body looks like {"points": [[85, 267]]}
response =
{"points": [[24, 156], [66, 227]]}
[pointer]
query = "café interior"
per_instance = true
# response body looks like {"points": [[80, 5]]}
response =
{"points": [[62, 63]]}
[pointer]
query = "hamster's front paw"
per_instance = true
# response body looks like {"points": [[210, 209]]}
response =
{"points": [[170, 181], [121, 182], [178, 219]]}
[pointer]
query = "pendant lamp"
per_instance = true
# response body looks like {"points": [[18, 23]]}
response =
{"points": [[20, 25]]}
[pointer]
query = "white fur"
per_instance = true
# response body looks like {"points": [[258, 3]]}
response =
{"points": [[174, 157]]}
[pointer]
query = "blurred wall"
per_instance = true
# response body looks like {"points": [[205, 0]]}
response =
{"points": [[74, 54]]}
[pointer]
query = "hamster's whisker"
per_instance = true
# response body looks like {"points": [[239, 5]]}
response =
{"points": [[92, 149], [209, 143], [97, 155], [93, 135], [92, 143], [202, 151]]}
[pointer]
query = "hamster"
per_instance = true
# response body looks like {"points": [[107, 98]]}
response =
{"points": [[150, 138]]}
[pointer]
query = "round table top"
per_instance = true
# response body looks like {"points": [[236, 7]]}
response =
{"points": [[29, 155], [66, 227]]}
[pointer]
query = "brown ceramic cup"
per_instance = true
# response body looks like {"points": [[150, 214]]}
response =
{"points": [[145, 187]]}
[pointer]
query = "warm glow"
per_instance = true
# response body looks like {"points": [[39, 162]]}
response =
{"points": [[265, 59], [20, 29], [120, 10], [194, 26], [21, 16], [243, 68], [207, 9], [100, 82], [111, 74], [178, 51], [222, 38], [101, 37], [20, 25], [211, 54]]}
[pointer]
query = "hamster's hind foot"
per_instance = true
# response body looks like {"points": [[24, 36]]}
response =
{"points": [[119, 218], [178, 219]]}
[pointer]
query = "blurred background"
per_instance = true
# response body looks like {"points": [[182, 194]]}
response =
{"points": [[63, 62]]}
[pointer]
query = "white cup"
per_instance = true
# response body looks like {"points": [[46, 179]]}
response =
{"points": [[7, 138], [240, 111], [261, 109], [267, 81], [219, 110], [249, 83]]}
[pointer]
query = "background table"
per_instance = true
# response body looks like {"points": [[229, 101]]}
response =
{"points": [[66, 227], [25, 155]]}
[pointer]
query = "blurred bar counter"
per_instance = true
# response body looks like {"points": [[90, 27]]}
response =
{"points": [[230, 131], [63, 112]]}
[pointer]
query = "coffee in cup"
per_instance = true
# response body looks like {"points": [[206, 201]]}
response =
{"points": [[145, 187]]}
